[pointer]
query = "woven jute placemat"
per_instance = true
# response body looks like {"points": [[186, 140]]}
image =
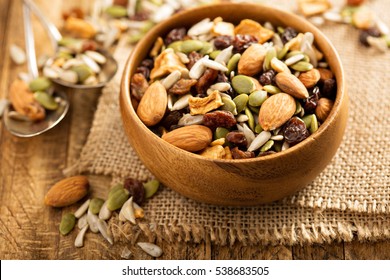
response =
{"points": [[349, 199]]}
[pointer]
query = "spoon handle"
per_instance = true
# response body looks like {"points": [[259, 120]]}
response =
{"points": [[54, 34], [30, 45]]}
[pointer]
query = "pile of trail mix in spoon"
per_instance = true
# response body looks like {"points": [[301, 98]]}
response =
{"points": [[229, 91]]}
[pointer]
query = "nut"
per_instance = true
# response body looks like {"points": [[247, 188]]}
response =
{"points": [[276, 110], [151, 108], [313, 7], [166, 63], [250, 27], [67, 191], [325, 74], [214, 152], [191, 138], [324, 106], [310, 78], [251, 61], [200, 106], [292, 85], [79, 28]]}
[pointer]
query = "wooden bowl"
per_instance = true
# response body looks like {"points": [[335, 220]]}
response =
{"points": [[236, 182]]}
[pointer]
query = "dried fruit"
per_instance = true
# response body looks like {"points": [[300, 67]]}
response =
{"points": [[205, 81], [313, 7], [238, 154], [219, 119], [363, 18], [167, 62], [200, 106], [67, 224], [138, 86], [67, 191], [276, 111], [79, 28], [295, 131], [214, 152], [323, 108], [237, 137], [182, 86], [191, 138], [290, 84], [251, 62], [153, 104], [250, 27], [267, 77], [174, 35], [136, 190]]}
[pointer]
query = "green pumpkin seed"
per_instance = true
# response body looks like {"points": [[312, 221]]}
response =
{"points": [[191, 46], [387, 38], [258, 128], [83, 72], [271, 53], [64, 54], [278, 146], [176, 46], [255, 110], [95, 205], [302, 66], [68, 222], [257, 98], [272, 89], [291, 54], [241, 101], [134, 38], [314, 124], [251, 120], [268, 145], [151, 188], [233, 62], [220, 132], [114, 189], [116, 11], [147, 26], [282, 53], [229, 105], [243, 84], [117, 199], [298, 107], [280, 29], [207, 48], [307, 120], [214, 54], [46, 100], [67, 41], [40, 84]]}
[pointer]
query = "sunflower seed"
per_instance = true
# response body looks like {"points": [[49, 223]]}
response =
{"points": [[202, 27], [82, 209], [379, 43], [151, 249], [333, 17], [259, 141], [279, 66], [103, 229], [307, 49], [105, 213], [92, 220], [183, 57], [323, 64], [110, 37], [214, 65], [242, 118], [79, 241], [17, 54], [126, 253], [277, 137], [249, 135], [317, 20], [25, 77], [98, 57], [188, 119], [50, 73], [163, 12], [82, 221], [3, 104], [131, 7], [221, 86], [91, 80], [224, 56], [91, 63], [18, 116], [198, 68], [127, 212], [294, 59], [170, 102], [171, 79], [181, 103], [70, 63], [381, 25], [277, 41]]}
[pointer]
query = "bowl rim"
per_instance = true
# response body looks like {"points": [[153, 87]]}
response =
{"points": [[125, 94]]}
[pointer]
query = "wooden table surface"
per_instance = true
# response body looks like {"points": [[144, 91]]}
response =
{"points": [[28, 167]]}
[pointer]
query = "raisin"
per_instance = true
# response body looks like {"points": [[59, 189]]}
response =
{"points": [[144, 71], [89, 45], [140, 16], [267, 78], [205, 81], [266, 153], [138, 85], [310, 103], [222, 42], [373, 32], [219, 119], [329, 89], [182, 86], [193, 57], [171, 119], [295, 131], [174, 35], [147, 62], [288, 34], [238, 154], [237, 137], [120, 3], [242, 42], [136, 190]]}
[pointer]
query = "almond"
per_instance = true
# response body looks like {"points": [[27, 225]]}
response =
{"points": [[310, 78], [290, 84], [276, 111], [191, 138], [325, 74], [67, 191], [151, 108], [251, 62], [324, 106]]}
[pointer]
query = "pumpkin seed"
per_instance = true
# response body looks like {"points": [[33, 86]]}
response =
{"points": [[103, 229], [67, 41], [92, 220], [176, 46], [40, 84], [258, 128], [298, 107], [241, 101], [313, 124], [278, 146], [147, 26], [282, 53], [95, 205], [272, 89], [268, 145], [171, 79], [214, 54], [214, 65], [257, 98], [151, 187], [133, 38], [46, 100], [260, 140], [191, 46], [82, 71], [233, 62], [243, 84], [116, 11], [82, 222], [207, 48], [220, 132], [302, 66], [117, 199], [271, 53], [79, 241], [224, 56], [105, 213], [251, 120], [150, 249], [229, 105], [114, 189], [67, 223], [255, 110]]}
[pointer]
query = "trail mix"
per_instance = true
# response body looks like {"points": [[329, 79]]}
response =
{"points": [[373, 31], [234, 92]]}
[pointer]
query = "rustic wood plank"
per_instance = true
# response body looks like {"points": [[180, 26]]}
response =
{"points": [[367, 250], [4, 18], [252, 252], [319, 252]]}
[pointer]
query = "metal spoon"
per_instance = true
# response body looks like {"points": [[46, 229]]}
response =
{"points": [[30, 128]]}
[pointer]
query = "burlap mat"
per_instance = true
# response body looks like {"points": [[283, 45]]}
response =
{"points": [[349, 199]]}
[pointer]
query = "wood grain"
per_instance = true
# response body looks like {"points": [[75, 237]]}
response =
{"points": [[28, 167]]}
